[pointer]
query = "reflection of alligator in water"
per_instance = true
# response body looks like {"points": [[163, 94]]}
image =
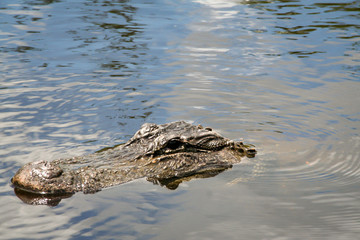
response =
{"points": [[165, 154]]}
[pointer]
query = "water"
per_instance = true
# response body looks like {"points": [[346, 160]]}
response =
{"points": [[77, 76]]}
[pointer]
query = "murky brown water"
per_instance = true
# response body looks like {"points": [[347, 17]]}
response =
{"points": [[76, 76]]}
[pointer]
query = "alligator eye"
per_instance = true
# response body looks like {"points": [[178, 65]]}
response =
{"points": [[174, 144]]}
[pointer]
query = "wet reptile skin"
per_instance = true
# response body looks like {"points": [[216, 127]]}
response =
{"points": [[162, 153]]}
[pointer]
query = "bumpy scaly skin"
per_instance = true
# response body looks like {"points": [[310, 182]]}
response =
{"points": [[159, 152]]}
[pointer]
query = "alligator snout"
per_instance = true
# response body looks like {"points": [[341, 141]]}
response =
{"points": [[29, 175]]}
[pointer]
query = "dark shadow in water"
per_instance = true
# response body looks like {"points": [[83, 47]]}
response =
{"points": [[280, 8], [39, 199], [173, 183], [41, 2]]}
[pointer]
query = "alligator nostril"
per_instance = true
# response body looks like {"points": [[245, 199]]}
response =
{"points": [[52, 173], [48, 170]]}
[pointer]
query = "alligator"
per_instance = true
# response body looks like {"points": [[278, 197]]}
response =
{"points": [[165, 154]]}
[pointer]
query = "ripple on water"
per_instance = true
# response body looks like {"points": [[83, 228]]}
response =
{"points": [[337, 166]]}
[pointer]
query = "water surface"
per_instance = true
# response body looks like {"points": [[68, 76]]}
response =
{"points": [[77, 76]]}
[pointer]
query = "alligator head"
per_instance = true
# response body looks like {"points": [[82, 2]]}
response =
{"points": [[163, 154]]}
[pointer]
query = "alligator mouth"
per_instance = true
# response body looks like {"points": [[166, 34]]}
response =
{"points": [[53, 199], [23, 188]]}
